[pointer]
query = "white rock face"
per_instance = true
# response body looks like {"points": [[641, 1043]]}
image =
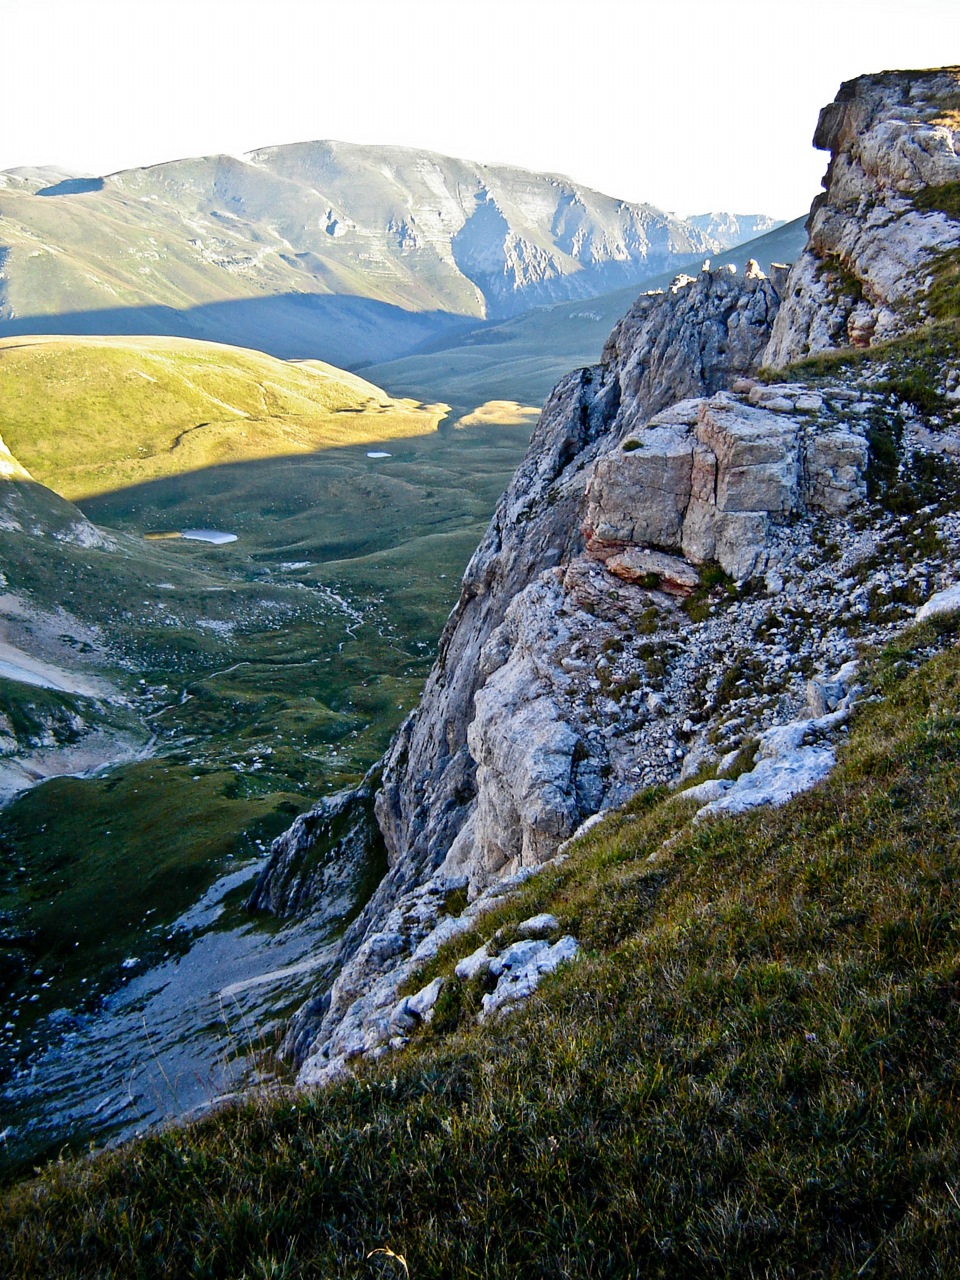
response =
{"points": [[523, 748], [669, 347], [787, 764], [774, 781], [943, 602], [866, 269]]}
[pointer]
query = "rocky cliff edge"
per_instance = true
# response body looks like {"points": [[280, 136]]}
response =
{"points": [[677, 580], [883, 222]]}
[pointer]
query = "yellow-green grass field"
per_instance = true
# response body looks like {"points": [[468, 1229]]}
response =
{"points": [[93, 415]]}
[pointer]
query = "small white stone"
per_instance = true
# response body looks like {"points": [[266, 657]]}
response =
{"points": [[520, 981], [538, 926], [808, 403], [472, 965], [947, 601], [422, 1003]]}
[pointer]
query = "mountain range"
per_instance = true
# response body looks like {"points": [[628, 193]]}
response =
{"points": [[350, 253]]}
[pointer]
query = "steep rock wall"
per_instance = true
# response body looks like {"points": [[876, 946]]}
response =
{"points": [[570, 672], [718, 325], [872, 246], [427, 807]]}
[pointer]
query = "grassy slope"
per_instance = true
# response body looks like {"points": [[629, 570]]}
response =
{"points": [[201, 230], [88, 415], [523, 359], [141, 243], [752, 1071]]}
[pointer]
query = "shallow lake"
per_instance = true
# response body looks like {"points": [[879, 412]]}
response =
{"points": [[208, 535]]}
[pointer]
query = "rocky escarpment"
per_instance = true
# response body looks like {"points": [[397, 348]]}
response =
{"points": [[675, 583], [720, 323], [323, 855], [882, 223]]}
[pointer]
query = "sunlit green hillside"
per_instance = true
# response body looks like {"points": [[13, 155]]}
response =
{"points": [[92, 415]]}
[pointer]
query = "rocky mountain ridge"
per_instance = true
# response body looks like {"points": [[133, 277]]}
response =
{"points": [[677, 581], [376, 250], [879, 229]]}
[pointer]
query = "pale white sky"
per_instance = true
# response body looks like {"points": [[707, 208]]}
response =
{"points": [[689, 105]]}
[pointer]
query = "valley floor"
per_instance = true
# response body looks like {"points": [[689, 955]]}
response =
{"points": [[229, 685]]}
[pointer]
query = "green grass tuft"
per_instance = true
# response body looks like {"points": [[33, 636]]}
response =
{"points": [[941, 199]]}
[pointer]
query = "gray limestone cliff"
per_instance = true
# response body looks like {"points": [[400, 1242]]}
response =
{"points": [[875, 233], [660, 580]]}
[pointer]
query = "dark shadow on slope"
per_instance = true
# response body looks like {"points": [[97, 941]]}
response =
{"points": [[345, 331], [332, 505], [72, 187]]}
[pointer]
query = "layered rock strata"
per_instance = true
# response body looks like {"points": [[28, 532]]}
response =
{"points": [[706, 479]]}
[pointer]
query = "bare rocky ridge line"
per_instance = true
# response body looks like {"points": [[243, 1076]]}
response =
{"points": [[866, 268], [672, 563], [375, 250]]}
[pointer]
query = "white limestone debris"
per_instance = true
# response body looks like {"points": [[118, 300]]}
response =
{"points": [[520, 968]]}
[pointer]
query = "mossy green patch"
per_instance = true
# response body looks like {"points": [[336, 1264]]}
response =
{"points": [[941, 199]]}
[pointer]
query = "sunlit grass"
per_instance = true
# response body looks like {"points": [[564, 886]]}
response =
{"points": [[94, 415]]}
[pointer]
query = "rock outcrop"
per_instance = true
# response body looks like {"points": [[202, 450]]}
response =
{"points": [[671, 584], [720, 323], [877, 231], [429, 774], [321, 856], [706, 478]]}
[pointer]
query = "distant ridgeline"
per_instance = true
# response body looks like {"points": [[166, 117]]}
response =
{"points": [[326, 249]]}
